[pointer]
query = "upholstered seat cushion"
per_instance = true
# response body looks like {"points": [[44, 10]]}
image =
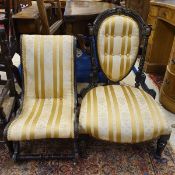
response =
{"points": [[43, 118], [121, 114]]}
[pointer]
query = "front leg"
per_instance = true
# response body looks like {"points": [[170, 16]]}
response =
{"points": [[161, 144]]}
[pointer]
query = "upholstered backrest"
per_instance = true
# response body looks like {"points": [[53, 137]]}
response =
{"points": [[48, 66], [117, 45]]}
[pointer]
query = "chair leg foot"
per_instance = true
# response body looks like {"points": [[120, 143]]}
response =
{"points": [[161, 144], [16, 147]]}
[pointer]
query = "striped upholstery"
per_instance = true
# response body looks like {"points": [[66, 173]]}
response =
{"points": [[118, 43], [48, 109], [121, 114]]}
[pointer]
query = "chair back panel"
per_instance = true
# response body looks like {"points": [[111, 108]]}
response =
{"points": [[48, 66], [117, 45]]}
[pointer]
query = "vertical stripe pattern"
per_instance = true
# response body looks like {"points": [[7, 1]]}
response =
{"points": [[121, 114], [49, 91], [123, 33]]}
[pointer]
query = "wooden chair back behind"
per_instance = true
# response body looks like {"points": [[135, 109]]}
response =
{"points": [[56, 6]]}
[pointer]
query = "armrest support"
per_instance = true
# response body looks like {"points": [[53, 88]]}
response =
{"points": [[140, 76], [142, 80]]}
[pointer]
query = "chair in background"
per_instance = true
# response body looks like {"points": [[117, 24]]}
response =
{"points": [[114, 112], [9, 98], [49, 109], [140, 6], [47, 28]]}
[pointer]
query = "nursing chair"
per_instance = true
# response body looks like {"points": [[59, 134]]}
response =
{"points": [[114, 112], [49, 109]]}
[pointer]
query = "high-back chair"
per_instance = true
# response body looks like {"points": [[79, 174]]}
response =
{"points": [[48, 29], [49, 102], [114, 112]]}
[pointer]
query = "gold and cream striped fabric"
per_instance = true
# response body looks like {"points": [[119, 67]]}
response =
{"points": [[48, 109], [121, 114], [118, 43]]}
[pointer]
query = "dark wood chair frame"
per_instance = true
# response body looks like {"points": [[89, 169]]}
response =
{"points": [[145, 31], [14, 146]]}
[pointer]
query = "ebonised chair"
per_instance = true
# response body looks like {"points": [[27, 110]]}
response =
{"points": [[114, 112], [49, 103]]}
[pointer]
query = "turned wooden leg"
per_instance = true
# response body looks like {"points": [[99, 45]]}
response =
{"points": [[161, 144], [76, 151], [16, 147]]}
